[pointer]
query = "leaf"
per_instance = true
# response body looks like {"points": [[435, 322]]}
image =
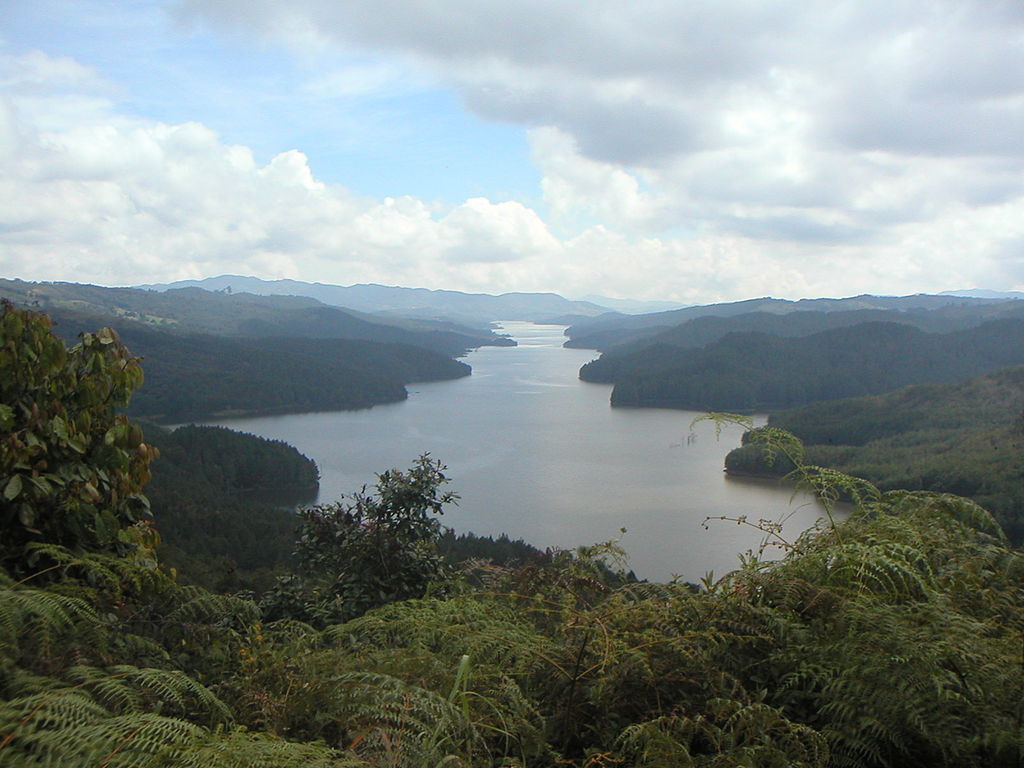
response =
{"points": [[13, 488], [6, 417], [27, 516], [106, 527]]}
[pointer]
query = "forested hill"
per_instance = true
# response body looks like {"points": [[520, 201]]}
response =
{"points": [[610, 329], [406, 302], [223, 502], [195, 376], [965, 438], [890, 639], [241, 314], [757, 371], [706, 329]]}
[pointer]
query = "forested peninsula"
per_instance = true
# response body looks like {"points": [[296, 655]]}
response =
{"points": [[965, 438], [890, 639], [218, 355], [754, 371], [889, 392]]}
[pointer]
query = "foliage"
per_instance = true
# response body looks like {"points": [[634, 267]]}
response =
{"points": [[224, 502], [71, 468], [754, 371], [963, 438], [457, 548], [371, 550], [188, 378], [891, 639]]}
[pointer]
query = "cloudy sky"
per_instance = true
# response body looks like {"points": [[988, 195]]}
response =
{"points": [[694, 151]]}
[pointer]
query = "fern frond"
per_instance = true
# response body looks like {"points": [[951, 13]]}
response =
{"points": [[35, 619], [70, 728], [127, 688], [242, 749], [406, 725]]}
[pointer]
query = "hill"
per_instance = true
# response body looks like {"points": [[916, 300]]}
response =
{"points": [[964, 438], [642, 352], [609, 330], [242, 314], [759, 372], [406, 302], [224, 501], [195, 376]]}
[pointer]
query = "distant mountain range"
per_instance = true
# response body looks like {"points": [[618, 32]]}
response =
{"points": [[756, 372], [246, 314], [609, 330], [210, 354], [985, 293], [474, 308]]}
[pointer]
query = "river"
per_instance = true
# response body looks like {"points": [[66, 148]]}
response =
{"points": [[535, 453]]}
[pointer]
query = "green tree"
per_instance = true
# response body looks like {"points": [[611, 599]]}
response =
{"points": [[370, 550], [71, 467]]}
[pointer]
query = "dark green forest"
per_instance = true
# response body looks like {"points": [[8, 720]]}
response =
{"points": [[746, 372], [210, 355], [225, 504], [193, 376], [193, 310], [965, 438], [891, 639], [612, 330], [620, 344]]}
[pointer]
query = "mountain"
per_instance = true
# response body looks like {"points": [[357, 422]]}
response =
{"points": [[637, 351], [963, 438], [192, 376], [209, 355], [985, 293], [759, 372], [407, 302], [613, 328], [243, 314], [634, 306]]}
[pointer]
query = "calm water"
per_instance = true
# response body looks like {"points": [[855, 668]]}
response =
{"points": [[537, 454]]}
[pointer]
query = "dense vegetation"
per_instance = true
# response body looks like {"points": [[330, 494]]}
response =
{"points": [[243, 314], [623, 348], [224, 503], [210, 355], [612, 329], [192, 376], [893, 639], [756, 371], [965, 438]]}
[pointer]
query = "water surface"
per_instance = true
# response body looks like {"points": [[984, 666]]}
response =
{"points": [[536, 453]]}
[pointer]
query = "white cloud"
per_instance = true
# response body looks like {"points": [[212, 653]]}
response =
{"points": [[702, 109], [722, 180]]}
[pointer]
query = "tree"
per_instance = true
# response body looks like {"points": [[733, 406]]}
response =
{"points": [[370, 550], [71, 467]]}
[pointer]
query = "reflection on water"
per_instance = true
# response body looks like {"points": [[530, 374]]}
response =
{"points": [[535, 453]]}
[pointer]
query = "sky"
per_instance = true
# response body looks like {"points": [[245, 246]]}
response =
{"points": [[699, 151]]}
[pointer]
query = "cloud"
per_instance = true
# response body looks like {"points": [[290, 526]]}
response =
{"points": [[751, 191], [487, 232], [736, 102]]}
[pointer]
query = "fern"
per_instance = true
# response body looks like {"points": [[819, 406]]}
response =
{"points": [[728, 733], [401, 725], [241, 749], [70, 728], [35, 623]]}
